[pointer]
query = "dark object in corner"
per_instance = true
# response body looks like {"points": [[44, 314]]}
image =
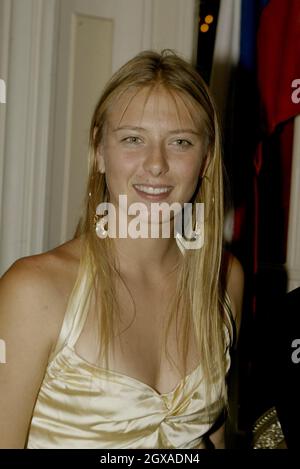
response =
{"points": [[286, 372]]}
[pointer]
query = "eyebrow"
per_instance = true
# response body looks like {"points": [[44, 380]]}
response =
{"points": [[128, 127], [176, 131]]}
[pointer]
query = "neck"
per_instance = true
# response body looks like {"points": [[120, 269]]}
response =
{"points": [[147, 258]]}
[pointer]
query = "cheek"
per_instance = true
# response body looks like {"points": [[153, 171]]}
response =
{"points": [[119, 168], [189, 171], [190, 188]]}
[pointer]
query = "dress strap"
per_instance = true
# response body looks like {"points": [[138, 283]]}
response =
{"points": [[76, 312]]}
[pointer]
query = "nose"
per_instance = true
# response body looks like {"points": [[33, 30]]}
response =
{"points": [[156, 161]]}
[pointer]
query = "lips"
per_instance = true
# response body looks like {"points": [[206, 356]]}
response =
{"points": [[153, 192], [149, 189]]}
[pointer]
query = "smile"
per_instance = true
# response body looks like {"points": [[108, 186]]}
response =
{"points": [[152, 190]]}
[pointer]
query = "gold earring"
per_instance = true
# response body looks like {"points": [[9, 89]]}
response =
{"points": [[99, 223]]}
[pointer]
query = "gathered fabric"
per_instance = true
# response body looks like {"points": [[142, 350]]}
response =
{"points": [[80, 405]]}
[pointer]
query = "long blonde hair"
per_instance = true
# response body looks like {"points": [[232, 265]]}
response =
{"points": [[199, 291]]}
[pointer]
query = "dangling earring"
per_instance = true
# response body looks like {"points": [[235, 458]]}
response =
{"points": [[99, 223], [179, 242], [193, 238], [196, 242]]}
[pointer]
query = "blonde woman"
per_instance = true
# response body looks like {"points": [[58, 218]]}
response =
{"points": [[123, 341]]}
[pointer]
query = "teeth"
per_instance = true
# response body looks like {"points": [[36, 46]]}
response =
{"points": [[152, 190]]}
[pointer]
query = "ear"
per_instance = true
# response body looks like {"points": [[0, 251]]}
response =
{"points": [[99, 153], [100, 159]]}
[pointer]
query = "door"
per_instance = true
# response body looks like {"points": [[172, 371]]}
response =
{"points": [[94, 39]]}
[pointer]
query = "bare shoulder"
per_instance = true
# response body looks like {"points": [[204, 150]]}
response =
{"points": [[235, 286], [49, 270], [33, 295], [41, 284]]}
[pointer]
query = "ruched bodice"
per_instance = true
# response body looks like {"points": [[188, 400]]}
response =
{"points": [[81, 405]]}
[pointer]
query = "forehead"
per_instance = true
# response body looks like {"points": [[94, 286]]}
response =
{"points": [[150, 106]]}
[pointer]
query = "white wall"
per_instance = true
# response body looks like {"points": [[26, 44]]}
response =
{"points": [[37, 205], [28, 33]]}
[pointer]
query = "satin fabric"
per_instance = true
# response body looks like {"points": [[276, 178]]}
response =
{"points": [[79, 406]]}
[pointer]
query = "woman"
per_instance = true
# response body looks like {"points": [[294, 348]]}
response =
{"points": [[123, 341]]}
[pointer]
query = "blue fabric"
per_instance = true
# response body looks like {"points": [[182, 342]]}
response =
{"points": [[250, 14]]}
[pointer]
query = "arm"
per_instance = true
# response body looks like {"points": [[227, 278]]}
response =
{"points": [[25, 327], [218, 438]]}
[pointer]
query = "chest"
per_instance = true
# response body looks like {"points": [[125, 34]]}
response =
{"points": [[139, 346]]}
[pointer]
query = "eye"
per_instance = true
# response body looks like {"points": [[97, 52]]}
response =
{"points": [[182, 143], [132, 139]]}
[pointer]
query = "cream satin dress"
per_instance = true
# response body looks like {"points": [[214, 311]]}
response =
{"points": [[78, 406]]}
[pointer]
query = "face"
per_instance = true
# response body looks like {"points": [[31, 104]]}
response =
{"points": [[152, 150]]}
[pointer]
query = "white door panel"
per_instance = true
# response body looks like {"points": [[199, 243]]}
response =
{"points": [[95, 38], [55, 56]]}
